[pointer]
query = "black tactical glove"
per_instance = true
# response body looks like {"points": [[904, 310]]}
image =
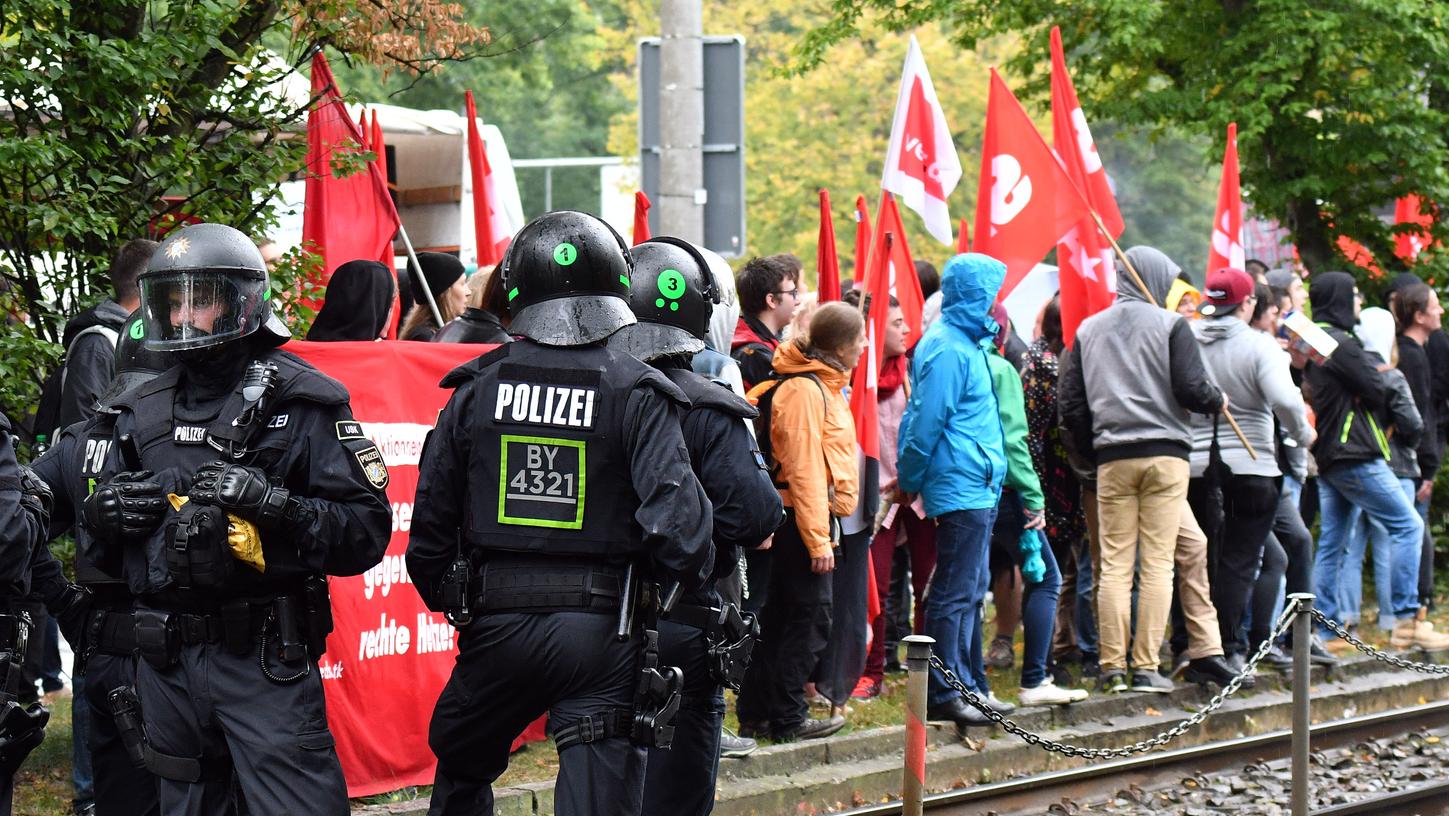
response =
{"points": [[21, 730], [72, 612], [35, 496], [129, 505], [243, 490]]}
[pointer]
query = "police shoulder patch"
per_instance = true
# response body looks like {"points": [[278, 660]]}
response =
{"points": [[350, 429], [373, 468]]}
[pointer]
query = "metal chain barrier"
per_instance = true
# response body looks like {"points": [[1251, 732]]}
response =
{"points": [[1285, 621], [1377, 654]]}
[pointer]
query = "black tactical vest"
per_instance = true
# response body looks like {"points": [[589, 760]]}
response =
{"points": [[549, 472], [174, 450], [94, 447]]}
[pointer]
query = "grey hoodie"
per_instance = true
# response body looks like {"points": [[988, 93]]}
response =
{"points": [[1134, 372], [1249, 366]]}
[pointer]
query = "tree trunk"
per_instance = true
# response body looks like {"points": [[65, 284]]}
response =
{"points": [[1310, 234]]}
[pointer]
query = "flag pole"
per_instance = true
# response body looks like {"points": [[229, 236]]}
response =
{"points": [[418, 273], [1141, 284]]}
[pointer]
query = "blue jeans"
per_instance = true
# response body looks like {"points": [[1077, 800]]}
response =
{"points": [[1370, 486], [954, 602], [1038, 600], [1086, 583], [1350, 590]]}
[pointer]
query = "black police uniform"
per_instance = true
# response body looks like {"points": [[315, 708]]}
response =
{"points": [[672, 295], [204, 690], [104, 637], [474, 325], [24, 507], [746, 510], [553, 470]]}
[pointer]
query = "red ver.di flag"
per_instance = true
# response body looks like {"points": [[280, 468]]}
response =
{"points": [[1025, 201], [1084, 257], [1227, 243], [921, 163], [388, 655]]}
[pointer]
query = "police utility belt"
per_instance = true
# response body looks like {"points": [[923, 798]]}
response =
{"points": [[297, 624], [729, 633], [545, 585], [21, 727]]}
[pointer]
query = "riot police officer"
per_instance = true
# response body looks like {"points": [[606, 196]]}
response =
{"points": [[232, 483], [24, 514], [672, 294], [98, 622], [556, 471]]}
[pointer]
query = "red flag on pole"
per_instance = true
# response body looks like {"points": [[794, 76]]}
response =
{"points": [[1084, 257], [862, 239], [864, 380], [1227, 242], [641, 217], [489, 225], [921, 163], [900, 270], [963, 239], [349, 218], [1025, 201], [827, 262], [1408, 245], [388, 256]]}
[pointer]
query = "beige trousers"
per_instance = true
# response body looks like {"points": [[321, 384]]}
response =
{"points": [[1140, 505], [1203, 636]]}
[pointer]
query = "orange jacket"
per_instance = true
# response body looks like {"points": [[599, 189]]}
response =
{"points": [[813, 438]]}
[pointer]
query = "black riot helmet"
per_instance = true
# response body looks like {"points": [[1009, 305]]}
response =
{"points": [[672, 296], [134, 363], [566, 276], [206, 285]]}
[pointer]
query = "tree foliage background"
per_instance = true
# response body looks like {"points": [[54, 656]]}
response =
{"points": [[1341, 107], [119, 115]]}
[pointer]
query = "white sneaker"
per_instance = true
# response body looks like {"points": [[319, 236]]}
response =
{"points": [[1048, 693]]}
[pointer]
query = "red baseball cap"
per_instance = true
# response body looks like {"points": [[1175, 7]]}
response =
{"points": [[1225, 289]]}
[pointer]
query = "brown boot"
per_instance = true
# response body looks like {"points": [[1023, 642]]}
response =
{"points": [[1418, 634]]}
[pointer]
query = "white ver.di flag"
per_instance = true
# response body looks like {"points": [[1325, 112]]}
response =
{"points": [[921, 166]]}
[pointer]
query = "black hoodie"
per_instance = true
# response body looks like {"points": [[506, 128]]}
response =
{"points": [[1348, 395]]}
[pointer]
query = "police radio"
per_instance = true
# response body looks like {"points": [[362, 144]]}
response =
{"points": [[454, 592]]}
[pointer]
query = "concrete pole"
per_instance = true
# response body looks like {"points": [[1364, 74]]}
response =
{"points": [[681, 120]]}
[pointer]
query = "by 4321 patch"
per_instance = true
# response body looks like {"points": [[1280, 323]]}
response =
{"points": [[541, 482]]}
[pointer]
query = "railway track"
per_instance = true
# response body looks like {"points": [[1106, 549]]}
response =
{"points": [[1034, 794]]}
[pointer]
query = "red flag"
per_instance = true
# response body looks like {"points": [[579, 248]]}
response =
{"points": [[862, 239], [1084, 257], [1407, 245], [827, 263], [921, 163], [1025, 201], [1227, 243], [900, 271], [1358, 255], [489, 225], [963, 239], [641, 217], [388, 256], [349, 218], [864, 379]]}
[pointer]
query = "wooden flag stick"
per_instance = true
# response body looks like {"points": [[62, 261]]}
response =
{"points": [[1141, 284]]}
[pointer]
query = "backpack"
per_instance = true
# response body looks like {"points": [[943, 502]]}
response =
{"points": [[764, 395], [47, 413]]}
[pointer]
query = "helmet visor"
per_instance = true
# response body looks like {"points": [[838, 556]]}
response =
{"points": [[198, 308]]}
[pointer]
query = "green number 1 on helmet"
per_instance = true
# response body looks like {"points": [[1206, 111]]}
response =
{"points": [[566, 276]]}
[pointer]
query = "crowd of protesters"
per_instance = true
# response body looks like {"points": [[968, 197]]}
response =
{"points": [[1149, 482]]}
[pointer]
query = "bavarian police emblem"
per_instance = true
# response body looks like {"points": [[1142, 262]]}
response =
{"points": [[372, 466]]}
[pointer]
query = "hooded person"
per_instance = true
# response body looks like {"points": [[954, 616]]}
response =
{"points": [[447, 280], [357, 305], [1128, 388], [714, 361], [952, 452], [1352, 401]]}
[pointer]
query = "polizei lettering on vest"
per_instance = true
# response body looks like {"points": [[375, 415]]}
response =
{"points": [[558, 405]]}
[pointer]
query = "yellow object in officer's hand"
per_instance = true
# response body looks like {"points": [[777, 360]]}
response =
{"points": [[241, 535]]}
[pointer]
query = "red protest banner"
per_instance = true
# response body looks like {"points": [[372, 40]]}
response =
{"points": [[389, 656]]}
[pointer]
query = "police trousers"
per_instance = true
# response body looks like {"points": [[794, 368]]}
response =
{"points": [[212, 702], [514, 666], [681, 780], [121, 789]]}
